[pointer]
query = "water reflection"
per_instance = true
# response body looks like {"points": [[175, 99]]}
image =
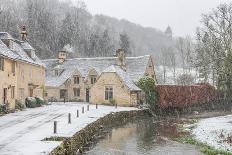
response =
{"points": [[142, 137]]}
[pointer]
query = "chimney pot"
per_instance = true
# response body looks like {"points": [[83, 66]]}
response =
{"points": [[121, 58], [24, 33]]}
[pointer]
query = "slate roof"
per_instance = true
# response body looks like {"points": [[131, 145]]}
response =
{"points": [[17, 52], [123, 75], [136, 67]]}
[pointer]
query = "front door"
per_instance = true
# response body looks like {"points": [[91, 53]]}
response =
{"points": [[4, 95], [30, 92], [87, 95]]}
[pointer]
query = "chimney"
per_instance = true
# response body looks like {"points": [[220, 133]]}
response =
{"points": [[62, 56], [121, 58], [24, 34]]}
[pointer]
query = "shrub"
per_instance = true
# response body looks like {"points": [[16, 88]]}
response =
{"points": [[147, 84], [2, 109], [31, 102], [40, 101], [19, 105]]}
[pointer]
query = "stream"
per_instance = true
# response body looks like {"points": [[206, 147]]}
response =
{"points": [[145, 136]]}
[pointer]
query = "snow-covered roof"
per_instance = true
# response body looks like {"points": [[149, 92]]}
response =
{"points": [[123, 75], [136, 67], [17, 50], [5, 35]]}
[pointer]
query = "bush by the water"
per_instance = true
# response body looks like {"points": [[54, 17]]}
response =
{"points": [[32, 102], [19, 105], [147, 84]]}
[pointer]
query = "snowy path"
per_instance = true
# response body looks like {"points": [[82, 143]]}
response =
{"points": [[21, 133], [214, 131]]}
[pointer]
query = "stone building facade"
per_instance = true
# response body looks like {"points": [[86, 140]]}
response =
{"points": [[102, 80], [22, 74]]}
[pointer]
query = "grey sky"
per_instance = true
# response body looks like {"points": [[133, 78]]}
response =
{"points": [[182, 15]]}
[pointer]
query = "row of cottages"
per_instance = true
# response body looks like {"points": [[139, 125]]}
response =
{"points": [[100, 80], [22, 74]]}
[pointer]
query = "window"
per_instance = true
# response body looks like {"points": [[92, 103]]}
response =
{"points": [[21, 93], [93, 80], [108, 92], [1, 63], [56, 72], [76, 91], [13, 67], [76, 79], [12, 91], [63, 93]]}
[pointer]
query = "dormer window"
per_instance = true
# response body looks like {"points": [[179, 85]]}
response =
{"points": [[76, 79], [56, 72], [31, 53], [93, 79]]}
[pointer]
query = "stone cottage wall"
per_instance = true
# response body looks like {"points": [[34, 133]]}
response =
{"points": [[120, 92], [7, 80]]}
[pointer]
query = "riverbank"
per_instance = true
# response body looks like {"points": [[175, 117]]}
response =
{"points": [[24, 132], [75, 144], [209, 131]]}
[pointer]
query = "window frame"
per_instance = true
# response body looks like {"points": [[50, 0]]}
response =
{"points": [[109, 93], [12, 92], [93, 79], [64, 93], [76, 79], [76, 92], [2, 61]]}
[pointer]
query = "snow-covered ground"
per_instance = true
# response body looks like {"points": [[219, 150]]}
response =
{"points": [[214, 132], [21, 133]]}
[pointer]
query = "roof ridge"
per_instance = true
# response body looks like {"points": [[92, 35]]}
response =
{"points": [[97, 58]]}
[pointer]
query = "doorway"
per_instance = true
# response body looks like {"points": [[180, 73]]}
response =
{"points": [[87, 94], [5, 96], [30, 92]]}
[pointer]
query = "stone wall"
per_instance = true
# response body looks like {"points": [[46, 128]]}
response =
{"points": [[74, 144]]}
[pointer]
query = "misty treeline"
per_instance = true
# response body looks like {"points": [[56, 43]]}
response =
{"points": [[52, 24]]}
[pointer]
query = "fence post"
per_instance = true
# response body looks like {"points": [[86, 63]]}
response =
{"points": [[96, 106], [77, 113], [87, 107], [55, 127], [83, 110], [116, 105], [69, 118]]}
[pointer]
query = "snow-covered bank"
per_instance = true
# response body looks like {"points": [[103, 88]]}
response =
{"points": [[21, 133], [215, 132]]}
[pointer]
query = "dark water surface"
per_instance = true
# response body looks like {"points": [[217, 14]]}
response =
{"points": [[141, 137]]}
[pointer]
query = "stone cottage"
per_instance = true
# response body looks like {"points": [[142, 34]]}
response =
{"points": [[22, 74], [99, 80]]}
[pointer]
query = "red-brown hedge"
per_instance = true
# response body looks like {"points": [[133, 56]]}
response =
{"points": [[182, 96]]}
